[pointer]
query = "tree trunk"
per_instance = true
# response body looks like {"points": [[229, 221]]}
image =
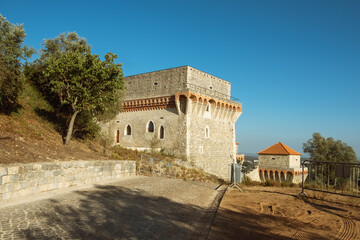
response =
{"points": [[70, 128]]}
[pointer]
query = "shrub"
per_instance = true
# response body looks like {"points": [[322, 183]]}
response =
{"points": [[271, 183], [247, 181]]}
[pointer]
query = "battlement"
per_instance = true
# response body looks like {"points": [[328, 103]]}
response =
{"points": [[169, 81]]}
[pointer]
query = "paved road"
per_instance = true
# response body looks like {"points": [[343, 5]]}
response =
{"points": [[135, 208]]}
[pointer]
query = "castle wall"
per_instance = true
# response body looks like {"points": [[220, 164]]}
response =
{"points": [[208, 81], [212, 152], [174, 130], [169, 81], [155, 84]]}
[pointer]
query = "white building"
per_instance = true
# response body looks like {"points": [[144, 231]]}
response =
{"points": [[281, 163]]}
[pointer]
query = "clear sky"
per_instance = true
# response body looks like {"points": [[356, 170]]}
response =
{"points": [[295, 65]]}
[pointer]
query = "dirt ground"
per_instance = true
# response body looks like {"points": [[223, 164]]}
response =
{"points": [[278, 213]]}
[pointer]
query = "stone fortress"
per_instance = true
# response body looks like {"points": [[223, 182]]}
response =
{"points": [[182, 111]]}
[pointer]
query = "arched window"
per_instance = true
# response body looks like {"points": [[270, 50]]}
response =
{"points": [[207, 112], [208, 107], [150, 127], [127, 130], [117, 136], [162, 132], [207, 132]]}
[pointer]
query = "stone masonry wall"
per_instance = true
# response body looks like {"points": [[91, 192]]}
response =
{"points": [[279, 161], [215, 152], [174, 141], [169, 81], [208, 81], [27, 179], [155, 84]]}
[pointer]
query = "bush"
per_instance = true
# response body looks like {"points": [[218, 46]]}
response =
{"points": [[271, 183], [287, 184], [247, 181]]}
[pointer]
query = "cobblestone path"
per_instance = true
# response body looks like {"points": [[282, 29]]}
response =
{"points": [[135, 208]]}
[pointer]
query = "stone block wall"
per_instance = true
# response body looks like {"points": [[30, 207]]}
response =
{"points": [[216, 151], [20, 180], [274, 161], [205, 80], [169, 81], [174, 138], [155, 84]]}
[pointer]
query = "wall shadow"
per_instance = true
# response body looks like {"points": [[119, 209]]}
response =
{"points": [[113, 212]]}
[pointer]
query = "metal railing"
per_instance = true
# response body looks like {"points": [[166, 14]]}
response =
{"points": [[331, 177], [238, 174], [209, 92], [152, 166]]}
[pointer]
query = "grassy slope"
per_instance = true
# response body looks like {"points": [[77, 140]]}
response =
{"points": [[27, 137]]}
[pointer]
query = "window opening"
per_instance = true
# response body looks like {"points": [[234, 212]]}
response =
{"points": [[117, 136], [150, 127], [162, 132], [128, 130], [207, 132]]}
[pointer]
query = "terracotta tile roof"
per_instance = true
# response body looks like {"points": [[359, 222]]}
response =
{"points": [[279, 149]]}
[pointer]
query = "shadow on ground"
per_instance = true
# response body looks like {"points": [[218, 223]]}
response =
{"points": [[245, 225], [113, 212]]}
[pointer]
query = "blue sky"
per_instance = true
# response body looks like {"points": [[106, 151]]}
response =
{"points": [[295, 65]]}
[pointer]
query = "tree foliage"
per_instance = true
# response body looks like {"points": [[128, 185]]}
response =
{"points": [[248, 166], [77, 81], [321, 149], [11, 53]]}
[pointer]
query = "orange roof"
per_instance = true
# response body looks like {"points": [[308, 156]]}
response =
{"points": [[279, 149]]}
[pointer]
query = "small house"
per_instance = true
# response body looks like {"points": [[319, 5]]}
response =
{"points": [[280, 163]]}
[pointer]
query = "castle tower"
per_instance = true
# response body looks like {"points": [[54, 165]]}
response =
{"points": [[182, 111]]}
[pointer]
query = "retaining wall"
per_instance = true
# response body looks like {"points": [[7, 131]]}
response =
{"points": [[20, 180]]}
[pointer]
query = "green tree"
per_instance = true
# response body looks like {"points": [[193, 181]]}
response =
{"points": [[76, 80], [248, 166], [11, 53], [321, 149]]}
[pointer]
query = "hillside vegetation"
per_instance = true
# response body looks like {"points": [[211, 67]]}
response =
{"points": [[28, 136]]}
